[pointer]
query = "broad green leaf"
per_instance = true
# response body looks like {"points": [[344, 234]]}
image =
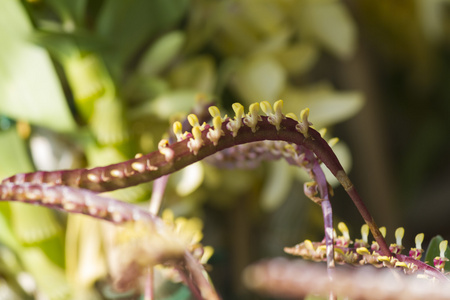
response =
{"points": [[277, 186], [188, 179], [166, 105], [127, 25], [50, 278], [30, 89], [328, 23], [14, 158], [71, 12], [108, 122], [433, 251], [298, 58], [196, 74], [31, 224], [327, 106], [89, 81], [84, 254], [161, 53], [259, 78]]}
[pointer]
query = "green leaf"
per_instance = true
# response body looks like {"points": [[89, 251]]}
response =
{"points": [[328, 23], [161, 53], [433, 251], [126, 25], [14, 158], [260, 78], [327, 106], [166, 105], [197, 74], [30, 88], [276, 186]]}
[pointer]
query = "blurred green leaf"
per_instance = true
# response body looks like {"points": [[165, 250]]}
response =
{"points": [[16, 149], [329, 23], [327, 105], [276, 186], [298, 58], [71, 12], [161, 53], [30, 88], [259, 78], [126, 25], [433, 251], [167, 104], [197, 74]]}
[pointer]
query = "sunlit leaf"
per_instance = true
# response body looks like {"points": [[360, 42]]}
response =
{"points": [[189, 179], [327, 105], [259, 78], [30, 88], [276, 186], [433, 251], [126, 25], [54, 284], [197, 74], [167, 104], [161, 53], [328, 23]]}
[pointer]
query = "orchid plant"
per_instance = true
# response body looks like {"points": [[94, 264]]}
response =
{"points": [[150, 240]]}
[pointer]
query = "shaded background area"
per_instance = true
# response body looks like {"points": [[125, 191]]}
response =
{"points": [[89, 83]]}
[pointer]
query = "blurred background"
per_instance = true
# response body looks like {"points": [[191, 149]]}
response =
{"points": [[89, 83]]}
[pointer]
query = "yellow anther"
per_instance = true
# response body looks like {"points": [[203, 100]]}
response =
{"points": [[163, 143], [362, 251], [399, 233], [138, 155], [252, 118], [343, 228], [217, 122], [339, 251], [238, 110], [273, 117], [401, 264], [278, 106], [322, 248], [193, 120], [383, 231], [292, 116], [165, 150], [419, 240], [309, 246], [290, 151], [236, 124], [215, 133], [303, 124], [333, 141], [253, 109], [443, 248], [322, 132], [178, 130], [266, 108], [365, 233], [194, 144], [214, 111], [304, 114], [383, 258]]}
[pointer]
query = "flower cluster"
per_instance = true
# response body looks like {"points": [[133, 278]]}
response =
{"points": [[360, 252]]}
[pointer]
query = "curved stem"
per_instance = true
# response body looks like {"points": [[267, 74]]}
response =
{"points": [[178, 155]]}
